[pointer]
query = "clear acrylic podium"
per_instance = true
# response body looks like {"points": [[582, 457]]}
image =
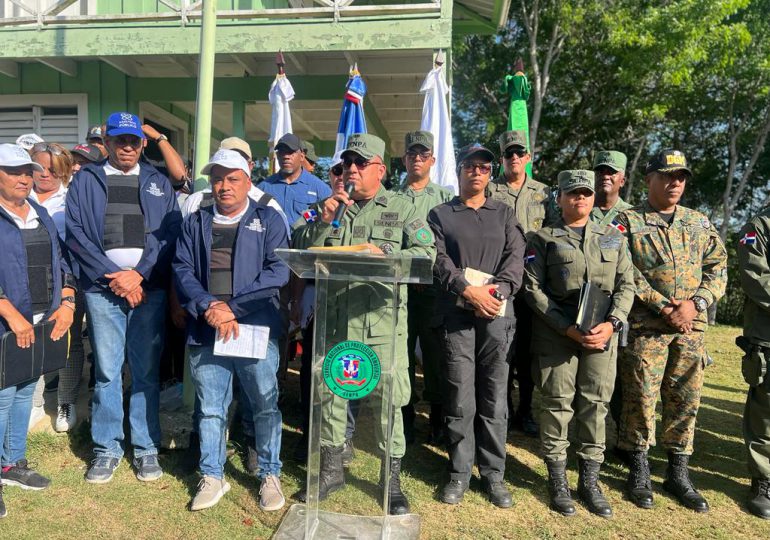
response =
{"points": [[357, 300]]}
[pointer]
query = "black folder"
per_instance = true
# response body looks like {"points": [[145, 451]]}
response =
{"points": [[593, 307], [19, 365]]}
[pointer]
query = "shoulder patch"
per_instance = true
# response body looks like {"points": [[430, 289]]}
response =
{"points": [[749, 239], [423, 235]]}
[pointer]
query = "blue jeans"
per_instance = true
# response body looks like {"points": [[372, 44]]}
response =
{"points": [[15, 408], [213, 378], [118, 333]]}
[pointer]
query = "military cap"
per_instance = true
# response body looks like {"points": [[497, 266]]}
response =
{"points": [[513, 138], [419, 138], [309, 150], [474, 149], [667, 161], [611, 158], [576, 179], [365, 145]]}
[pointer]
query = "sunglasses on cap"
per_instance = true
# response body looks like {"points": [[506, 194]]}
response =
{"points": [[361, 163], [484, 168], [518, 152], [337, 169], [45, 147]]}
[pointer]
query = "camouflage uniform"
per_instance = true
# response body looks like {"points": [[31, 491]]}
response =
{"points": [[682, 260], [357, 310], [754, 261]]}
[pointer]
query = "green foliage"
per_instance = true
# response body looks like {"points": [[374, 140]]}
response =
{"points": [[730, 307]]}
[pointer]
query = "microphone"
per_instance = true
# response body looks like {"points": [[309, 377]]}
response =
{"points": [[349, 187]]}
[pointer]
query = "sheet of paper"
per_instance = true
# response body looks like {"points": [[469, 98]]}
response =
{"points": [[251, 343]]}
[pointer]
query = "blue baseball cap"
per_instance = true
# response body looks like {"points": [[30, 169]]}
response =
{"points": [[123, 123]]}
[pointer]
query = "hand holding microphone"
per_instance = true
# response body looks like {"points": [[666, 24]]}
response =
{"points": [[334, 207]]}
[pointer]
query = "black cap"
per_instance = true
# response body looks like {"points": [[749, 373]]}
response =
{"points": [[291, 141], [473, 149], [88, 151], [94, 132], [667, 161]]}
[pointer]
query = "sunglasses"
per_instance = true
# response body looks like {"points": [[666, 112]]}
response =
{"points": [[518, 152], [361, 163], [337, 170], [45, 147], [425, 156], [484, 168]]}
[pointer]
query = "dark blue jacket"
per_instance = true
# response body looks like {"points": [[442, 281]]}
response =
{"points": [[86, 208], [258, 273], [14, 281]]}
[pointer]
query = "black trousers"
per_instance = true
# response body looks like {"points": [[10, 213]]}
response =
{"points": [[475, 368], [521, 359]]}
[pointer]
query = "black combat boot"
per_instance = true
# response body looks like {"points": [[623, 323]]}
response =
{"points": [[331, 477], [759, 504], [678, 483], [398, 504], [639, 485], [436, 437], [590, 492], [558, 488]]}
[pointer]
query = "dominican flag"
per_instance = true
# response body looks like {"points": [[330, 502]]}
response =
{"points": [[618, 226], [529, 257], [352, 118], [749, 239], [310, 215]]}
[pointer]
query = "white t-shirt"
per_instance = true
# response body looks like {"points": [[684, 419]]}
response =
{"points": [[125, 258], [55, 206]]}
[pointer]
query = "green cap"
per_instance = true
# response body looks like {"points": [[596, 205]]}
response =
{"points": [[576, 179], [365, 145], [513, 138], [309, 150], [418, 138], [611, 158]]}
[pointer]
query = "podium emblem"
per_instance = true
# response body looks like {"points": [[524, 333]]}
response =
{"points": [[351, 370]]}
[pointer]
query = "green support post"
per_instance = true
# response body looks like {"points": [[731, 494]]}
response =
{"points": [[239, 119]]}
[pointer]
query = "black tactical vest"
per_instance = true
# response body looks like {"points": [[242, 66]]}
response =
{"points": [[39, 267], [124, 221], [222, 247]]}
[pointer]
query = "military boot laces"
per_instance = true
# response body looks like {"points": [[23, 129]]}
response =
{"points": [[678, 484], [398, 504], [759, 505], [558, 488], [590, 492], [638, 485]]}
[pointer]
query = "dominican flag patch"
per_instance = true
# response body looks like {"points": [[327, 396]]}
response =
{"points": [[750, 238], [310, 215], [529, 257], [618, 226]]}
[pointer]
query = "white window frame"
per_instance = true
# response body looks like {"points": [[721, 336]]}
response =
{"points": [[52, 100]]}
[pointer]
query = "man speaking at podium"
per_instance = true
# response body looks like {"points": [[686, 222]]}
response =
{"points": [[387, 223]]}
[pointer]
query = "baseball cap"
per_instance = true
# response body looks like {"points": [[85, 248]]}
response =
{"points": [[667, 161], [13, 155], [475, 149], [88, 151], [575, 179], [611, 158], [123, 123], [365, 145], [94, 132], [229, 159], [28, 140], [515, 137], [309, 150], [419, 138], [291, 141], [236, 143]]}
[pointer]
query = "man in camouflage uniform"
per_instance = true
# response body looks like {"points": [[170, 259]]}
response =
{"points": [[680, 269], [425, 195], [530, 203], [754, 260], [387, 223], [610, 176]]}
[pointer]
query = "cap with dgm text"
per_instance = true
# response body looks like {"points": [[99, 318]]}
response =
{"points": [[366, 145], [667, 161], [13, 155], [575, 179], [418, 138], [610, 158], [515, 137], [229, 159]]}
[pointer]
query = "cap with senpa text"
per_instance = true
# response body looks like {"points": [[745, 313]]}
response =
{"points": [[610, 158], [576, 179], [290, 141], [28, 140], [366, 145], [667, 161], [515, 137], [13, 155], [123, 123], [94, 132], [88, 151], [309, 149], [229, 159], [236, 143], [418, 138], [474, 149]]}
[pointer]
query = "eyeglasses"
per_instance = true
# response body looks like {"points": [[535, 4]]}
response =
{"points": [[518, 152], [361, 163], [337, 170], [484, 168], [425, 156], [128, 140], [45, 147]]}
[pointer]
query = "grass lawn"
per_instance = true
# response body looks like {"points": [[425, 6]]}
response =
{"points": [[126, 508]]}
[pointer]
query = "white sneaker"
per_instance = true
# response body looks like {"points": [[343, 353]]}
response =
{"points": [[66, 419], [38, 413]]}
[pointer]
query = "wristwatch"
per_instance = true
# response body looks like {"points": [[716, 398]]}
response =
{"points": [[700, 304], [617, 324], [70, 299], [161, 137]]}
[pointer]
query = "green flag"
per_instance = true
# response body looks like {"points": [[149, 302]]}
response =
{"points": [[517, 88]]}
